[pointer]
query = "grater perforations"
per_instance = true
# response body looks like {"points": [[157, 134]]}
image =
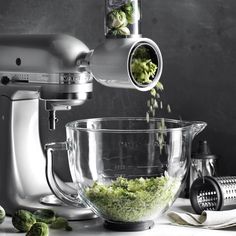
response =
{"points": [[213, 193]]}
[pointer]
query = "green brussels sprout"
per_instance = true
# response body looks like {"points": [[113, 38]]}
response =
{"points": [[132, 13], [2, 214], [116, 19], [112, 32], [38, 229], [123, 31], [61, 223], [23, 220], [45, 215], [119, 32]]}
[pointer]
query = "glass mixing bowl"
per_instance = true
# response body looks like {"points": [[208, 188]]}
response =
{"points": [[127, 170]]}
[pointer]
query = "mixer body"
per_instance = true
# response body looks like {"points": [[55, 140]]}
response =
{"points": [[34, 68], [22, 160]]}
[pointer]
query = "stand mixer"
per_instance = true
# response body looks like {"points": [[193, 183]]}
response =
{"points": [[58, 69]]}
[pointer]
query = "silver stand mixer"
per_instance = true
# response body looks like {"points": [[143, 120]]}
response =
{"points": [[59, 70]]}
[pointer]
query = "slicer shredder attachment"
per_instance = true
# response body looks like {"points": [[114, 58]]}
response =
{"points": [[213, 193], [57, 70]]}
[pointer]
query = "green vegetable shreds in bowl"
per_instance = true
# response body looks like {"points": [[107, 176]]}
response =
{"points": [[130, 200]]}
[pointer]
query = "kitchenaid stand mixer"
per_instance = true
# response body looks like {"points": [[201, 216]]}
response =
{"points": [[59, 70]]}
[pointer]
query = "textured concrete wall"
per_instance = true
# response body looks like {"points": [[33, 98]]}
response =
{"points": [[198, 42]]}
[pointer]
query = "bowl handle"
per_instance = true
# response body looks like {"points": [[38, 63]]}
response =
{"points": [[68, 194]]}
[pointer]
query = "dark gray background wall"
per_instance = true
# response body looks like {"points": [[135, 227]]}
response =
{"points": [[198, 42]]}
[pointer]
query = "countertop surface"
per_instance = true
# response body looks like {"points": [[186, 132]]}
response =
{"points": [[95, 227]]}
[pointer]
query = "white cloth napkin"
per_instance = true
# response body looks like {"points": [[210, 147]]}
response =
{"points": [[208, 219]]}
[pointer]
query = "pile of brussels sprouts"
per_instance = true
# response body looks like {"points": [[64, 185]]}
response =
{"points": [[37, 223], [119, 19]]}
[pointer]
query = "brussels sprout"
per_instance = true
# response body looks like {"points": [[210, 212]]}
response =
{"points": [[38, 229], [132, 13], [45, 215], [23, 220], [112, 32], [123, 31], [116, 19], [2, 214], [61, 223], [119, 32]]}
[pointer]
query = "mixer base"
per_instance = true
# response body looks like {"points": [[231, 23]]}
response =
{"points": [[69, 212], [129, 226]]}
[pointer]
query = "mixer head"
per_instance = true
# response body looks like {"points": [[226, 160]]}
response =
{"points": [[46, 63]]}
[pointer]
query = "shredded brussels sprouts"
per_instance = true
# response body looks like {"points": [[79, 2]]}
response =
{"points": [[132, 199], [142, 67], [143, 70]]}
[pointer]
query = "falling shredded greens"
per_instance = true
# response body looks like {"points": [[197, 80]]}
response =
{"points": [[132, 199]]}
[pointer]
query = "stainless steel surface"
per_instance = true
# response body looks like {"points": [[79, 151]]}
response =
{"points": [[51, 200], [203, 162], [22, 162], [48, 61], [47, 64], [202, 167], [42, 55]]}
